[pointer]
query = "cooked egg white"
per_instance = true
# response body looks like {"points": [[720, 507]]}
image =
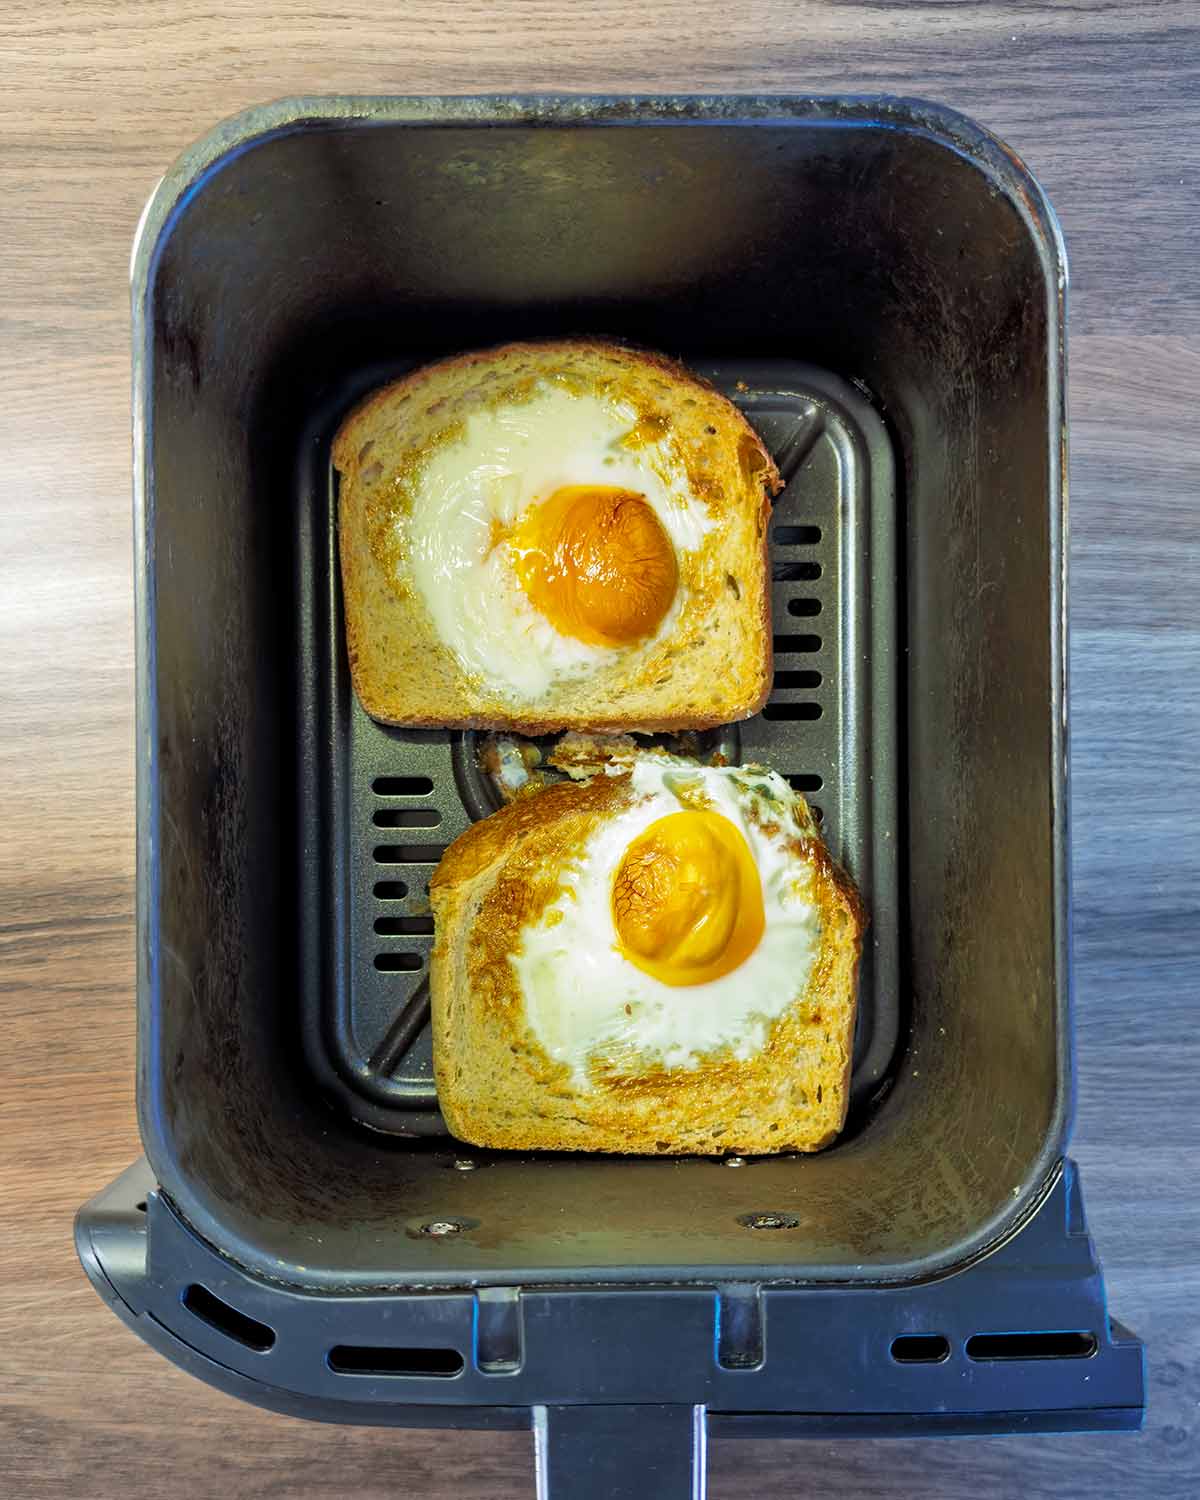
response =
{"points": [[542, 542], [682, 930]]}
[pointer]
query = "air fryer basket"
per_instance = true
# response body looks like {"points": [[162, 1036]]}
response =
{"points": [[882, 287]]}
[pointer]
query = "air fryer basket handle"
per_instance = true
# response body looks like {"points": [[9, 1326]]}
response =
{"points": [[620, 1452]]}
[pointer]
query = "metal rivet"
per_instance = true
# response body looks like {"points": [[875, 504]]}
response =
{"points": [[735, 1161], [440, 1227], [769, 1221], [464, 1164]]}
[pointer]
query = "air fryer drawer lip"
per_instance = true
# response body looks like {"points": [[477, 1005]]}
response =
{"points": [[1005, 174]]}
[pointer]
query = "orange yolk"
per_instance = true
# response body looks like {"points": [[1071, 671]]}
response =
{"points": [[596, 561], [687, 899]]}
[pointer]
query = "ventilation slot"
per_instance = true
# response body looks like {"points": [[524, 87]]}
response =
{"points": [[792, 679], [361, 1359], [796, 645], [390, 890], [777, 711], [988, 1346], [403, 926], [920, 1349], [797, 536], [408, 854], [795, 572], [407, 817], [210, 1309], [804, 607], [804, 782], [402, 786], [398, 963]]}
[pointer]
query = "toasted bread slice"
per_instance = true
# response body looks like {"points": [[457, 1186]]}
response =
{"points": [[503, 1079], [706, 662]]}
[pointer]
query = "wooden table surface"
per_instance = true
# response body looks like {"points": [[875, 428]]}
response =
{"points": [[1103, 101]]}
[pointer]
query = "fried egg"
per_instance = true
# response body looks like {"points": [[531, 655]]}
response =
{"points": [[548, 534], [684, 926]]}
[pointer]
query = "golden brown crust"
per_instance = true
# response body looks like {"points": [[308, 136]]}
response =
{"points": [[715, 664], [357, 421], [504, 832], [499, 1088]]}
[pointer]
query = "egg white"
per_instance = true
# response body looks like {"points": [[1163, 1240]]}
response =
{"points": [[508, 458], [585, 1002]]}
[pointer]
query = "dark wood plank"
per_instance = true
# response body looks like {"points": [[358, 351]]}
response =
{"points": [[1103, 100]]}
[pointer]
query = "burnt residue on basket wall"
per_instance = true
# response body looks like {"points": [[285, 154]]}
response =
{"points": [[869, 246]]}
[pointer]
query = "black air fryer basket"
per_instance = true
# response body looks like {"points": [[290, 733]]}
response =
{"points": [[880, 285]]}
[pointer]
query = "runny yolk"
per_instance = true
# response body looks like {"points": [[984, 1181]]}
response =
{"points": [[687, 899], [597, 562]]}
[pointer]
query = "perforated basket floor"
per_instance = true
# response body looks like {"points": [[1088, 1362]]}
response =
{"points": [[382, 804]]}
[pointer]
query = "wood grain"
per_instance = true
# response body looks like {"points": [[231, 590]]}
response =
{"points": [[1103, 100]]}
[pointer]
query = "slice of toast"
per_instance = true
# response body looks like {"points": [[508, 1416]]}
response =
{"points": [[499, 1084], [709, 660]]}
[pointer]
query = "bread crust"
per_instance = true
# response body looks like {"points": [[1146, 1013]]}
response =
{"points": [[714, 666], [497, 1087]]}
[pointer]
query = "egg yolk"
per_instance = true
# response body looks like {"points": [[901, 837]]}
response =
{"points": [[597, 562], [687, 899]]}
